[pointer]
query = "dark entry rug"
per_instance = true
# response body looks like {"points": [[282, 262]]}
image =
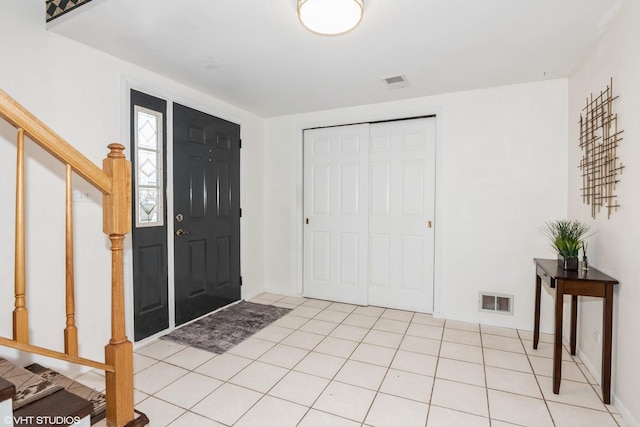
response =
{"points": [[226, 328]]}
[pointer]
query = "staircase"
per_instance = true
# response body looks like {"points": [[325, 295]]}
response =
{"points": [[114, 182]]}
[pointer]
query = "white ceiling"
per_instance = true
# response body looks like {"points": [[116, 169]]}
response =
{"points": [[256, 55]]}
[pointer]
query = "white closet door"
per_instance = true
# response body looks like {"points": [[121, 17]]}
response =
{"points": [[335, 212], [401, 213]]}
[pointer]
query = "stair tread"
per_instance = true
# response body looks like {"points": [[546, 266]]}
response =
{"points": [[59, 404], [97, 399], [29, 386]]}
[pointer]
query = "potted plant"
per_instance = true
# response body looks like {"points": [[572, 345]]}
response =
{"points": [[566, 236]]}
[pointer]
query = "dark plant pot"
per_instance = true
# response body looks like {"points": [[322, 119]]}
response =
{"points": [[570, 263]]}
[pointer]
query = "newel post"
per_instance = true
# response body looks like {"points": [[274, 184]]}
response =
{"points": [[119, 351]]}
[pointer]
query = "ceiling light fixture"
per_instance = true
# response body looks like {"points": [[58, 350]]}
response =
{"points": [[330, 17]]}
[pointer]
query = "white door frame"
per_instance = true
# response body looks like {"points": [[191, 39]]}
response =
{"points": [[372, 118]]}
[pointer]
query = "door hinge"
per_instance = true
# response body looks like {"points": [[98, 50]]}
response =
{"points": [[239, 143], [240, 281], [240, 212]]}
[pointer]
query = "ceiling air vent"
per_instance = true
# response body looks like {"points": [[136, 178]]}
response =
{"points": [[396, 82], [495, 303]]}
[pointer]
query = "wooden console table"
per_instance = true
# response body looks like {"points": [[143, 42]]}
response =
{"points": [[591, 283]]}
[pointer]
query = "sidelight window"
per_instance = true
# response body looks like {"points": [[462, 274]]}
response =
{"points": [[149, 167]]}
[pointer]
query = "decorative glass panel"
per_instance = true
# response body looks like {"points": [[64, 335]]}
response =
{"points": [[148, 205], [149, 165], [147, 130], [147, 168]]}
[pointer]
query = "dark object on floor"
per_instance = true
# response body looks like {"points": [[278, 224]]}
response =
{"points": [[226, 328]]}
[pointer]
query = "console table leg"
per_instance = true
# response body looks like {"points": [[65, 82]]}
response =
{"points": [[557, 342], [574, 323], [607, 323], [536, 313]]}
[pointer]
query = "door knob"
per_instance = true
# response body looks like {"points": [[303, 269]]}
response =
{"points": [[180, 232]]}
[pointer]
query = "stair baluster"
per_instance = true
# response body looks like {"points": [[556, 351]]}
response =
{"points": [[20, 313], [70, 331]]}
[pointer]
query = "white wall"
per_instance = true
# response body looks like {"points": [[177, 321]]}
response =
{"points": [[615, 246], [501, 167], [80, 93]]}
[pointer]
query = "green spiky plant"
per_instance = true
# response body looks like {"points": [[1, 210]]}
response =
{"points": [[566, 236]]}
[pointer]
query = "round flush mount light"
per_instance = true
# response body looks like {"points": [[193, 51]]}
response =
{"points": [[330, 17]]}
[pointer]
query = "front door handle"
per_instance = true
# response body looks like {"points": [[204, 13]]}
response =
{"points": [[180, 232]]}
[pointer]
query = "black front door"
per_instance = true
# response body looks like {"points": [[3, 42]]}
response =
{"points": [[206, 176], [149, 234]]}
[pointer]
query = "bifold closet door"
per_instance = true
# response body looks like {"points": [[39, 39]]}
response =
{"points": [[335, 213], [401, 213]]}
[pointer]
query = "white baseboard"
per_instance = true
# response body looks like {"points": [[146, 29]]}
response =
{"points": [[615, 401]]}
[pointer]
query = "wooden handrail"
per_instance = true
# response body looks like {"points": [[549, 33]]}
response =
{"points": [[55, 354], [41, 134], [114, 181]]}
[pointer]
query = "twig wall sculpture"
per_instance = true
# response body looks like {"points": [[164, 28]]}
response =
{"points": [[599, 137]]}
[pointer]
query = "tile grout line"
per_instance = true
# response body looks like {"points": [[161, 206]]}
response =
{"points": [[388, 367], [435, 372], [227, 381], [347, 360], [484, 370], [289, 370], [369, 330], [546, 404], [310, 407]]}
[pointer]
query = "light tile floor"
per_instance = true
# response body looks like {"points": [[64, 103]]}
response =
{"points": [[333, 364]]}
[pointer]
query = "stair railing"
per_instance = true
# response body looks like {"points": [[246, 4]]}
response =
{"points": [[114, 182]]}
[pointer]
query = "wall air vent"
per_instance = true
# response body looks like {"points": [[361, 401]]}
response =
{"points": [[396, 82], [495, 303]]}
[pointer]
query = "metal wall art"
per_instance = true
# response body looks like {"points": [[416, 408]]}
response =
{"points": [[600, 166]]}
